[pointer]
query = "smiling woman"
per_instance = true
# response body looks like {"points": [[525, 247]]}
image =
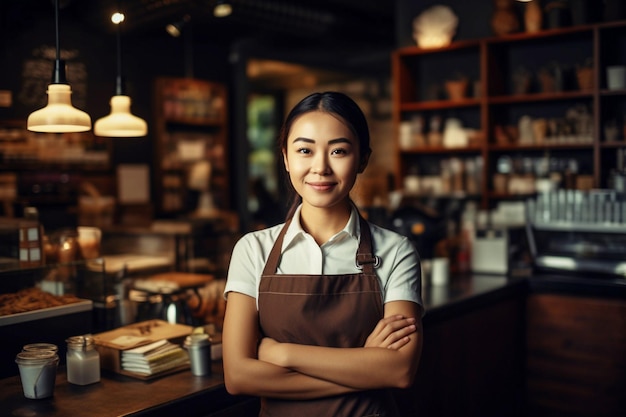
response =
{"points": [[311, 300]]}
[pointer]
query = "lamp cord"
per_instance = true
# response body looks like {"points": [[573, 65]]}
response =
{"points": [[58, 69], [56, 20], [119, 87]]}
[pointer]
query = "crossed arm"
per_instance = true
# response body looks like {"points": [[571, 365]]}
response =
{"points": [[285, 370]]}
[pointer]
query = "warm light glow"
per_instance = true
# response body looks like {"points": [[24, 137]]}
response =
{"points": [[117, 18], [173, 29], [222, 9], [59, 115], [120, 122]]}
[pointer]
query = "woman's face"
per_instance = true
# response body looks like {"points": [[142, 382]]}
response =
{"points": [[322, 158]]}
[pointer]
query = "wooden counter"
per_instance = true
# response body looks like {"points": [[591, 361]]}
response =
{"points": [[473, 362], [118, 395]]}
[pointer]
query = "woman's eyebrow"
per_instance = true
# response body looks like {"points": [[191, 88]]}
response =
{"points": [[330, 142], [301, 139]]}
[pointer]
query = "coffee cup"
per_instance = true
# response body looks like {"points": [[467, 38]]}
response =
{"points": [[89, 241]]}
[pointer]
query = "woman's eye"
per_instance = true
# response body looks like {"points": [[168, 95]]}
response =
{"points": [[303, 150], [339, 151]]}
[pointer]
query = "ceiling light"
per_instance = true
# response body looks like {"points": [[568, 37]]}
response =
{"points": [[59, 115], [176, 28], [222, 9], [120, 122]]}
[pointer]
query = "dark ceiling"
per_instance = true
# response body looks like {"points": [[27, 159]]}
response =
{"points": [[351, 36], [295, 22]]}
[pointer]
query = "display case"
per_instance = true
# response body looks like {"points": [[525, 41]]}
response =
{"points": [[50, 303]]}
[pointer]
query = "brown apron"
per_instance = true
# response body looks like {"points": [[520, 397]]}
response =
{"points": [[324, 310]]}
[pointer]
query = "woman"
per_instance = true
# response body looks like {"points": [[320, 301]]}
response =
{"points": [[317, 323]]}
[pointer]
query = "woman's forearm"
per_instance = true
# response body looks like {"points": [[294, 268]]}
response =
{"points": [[359, 368], [258, 378], [245, 374], [388, 359]]}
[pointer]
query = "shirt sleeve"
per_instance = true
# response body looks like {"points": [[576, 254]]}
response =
{"points": [[404, 282], [243, 270]]}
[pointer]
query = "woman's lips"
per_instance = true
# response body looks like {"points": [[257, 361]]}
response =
{"points": [[321, 186]]}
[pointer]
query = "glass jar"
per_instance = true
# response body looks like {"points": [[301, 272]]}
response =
{"points": [[38, 370], [83, 361]]}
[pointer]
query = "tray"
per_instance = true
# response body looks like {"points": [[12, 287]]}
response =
{"points": [[44, 313]]}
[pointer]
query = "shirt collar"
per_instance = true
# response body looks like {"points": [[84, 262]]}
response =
{"points": [[295, 229]]}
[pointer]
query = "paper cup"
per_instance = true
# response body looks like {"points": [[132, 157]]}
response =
{"points": [[440, 271]]}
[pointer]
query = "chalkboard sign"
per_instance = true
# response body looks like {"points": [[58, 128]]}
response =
{"points": [[37, 74]]}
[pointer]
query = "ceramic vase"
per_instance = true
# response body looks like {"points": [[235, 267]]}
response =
{"points": [[504, 19]]}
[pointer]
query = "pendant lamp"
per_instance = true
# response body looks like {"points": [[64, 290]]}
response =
{"points": [[59, 115], [120, 122]]}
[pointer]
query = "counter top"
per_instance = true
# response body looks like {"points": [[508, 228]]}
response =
{"points": [[118, 395], [125, 396], [467, 292]]}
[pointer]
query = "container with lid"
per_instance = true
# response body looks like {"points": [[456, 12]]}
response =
{"points": [[38, 369], [83, 361], [199, 347]]}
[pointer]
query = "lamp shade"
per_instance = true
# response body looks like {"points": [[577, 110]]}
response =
{"points": [[59, 115], [120, 122]]}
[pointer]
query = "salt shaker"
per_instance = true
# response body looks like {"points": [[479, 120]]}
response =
{"points": [[199, 347], [83, 361]]}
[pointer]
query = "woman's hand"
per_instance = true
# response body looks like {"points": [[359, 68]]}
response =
{"points": [[391, 332]]}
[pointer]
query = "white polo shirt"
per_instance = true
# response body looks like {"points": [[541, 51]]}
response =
{"points": [[399, 271]]}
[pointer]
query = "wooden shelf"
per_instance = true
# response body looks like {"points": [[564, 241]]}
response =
{"points": [[528, 98], [418, 75]]}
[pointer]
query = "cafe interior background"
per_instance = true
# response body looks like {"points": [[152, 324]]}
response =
{"points": [[535, 136]]}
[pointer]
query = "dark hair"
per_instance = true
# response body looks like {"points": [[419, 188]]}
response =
{"points": [[331, 102]]}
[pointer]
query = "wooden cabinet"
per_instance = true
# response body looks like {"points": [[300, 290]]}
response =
{"points": [[191, 128], [576, 356], [472, 362], [531, 106]]}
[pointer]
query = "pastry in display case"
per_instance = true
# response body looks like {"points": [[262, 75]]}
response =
{"points": [[48, 303]]}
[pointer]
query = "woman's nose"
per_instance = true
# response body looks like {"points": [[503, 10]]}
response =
{"points": [[320, 165]]}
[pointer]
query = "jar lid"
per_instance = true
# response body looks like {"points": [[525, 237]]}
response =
{"points": [[36, 357], [197, 339], [79, 342], [40, 346]]}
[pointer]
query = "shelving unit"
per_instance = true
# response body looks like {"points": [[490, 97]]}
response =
{"points": [[554, 81], [49, 170], [191, 126]]}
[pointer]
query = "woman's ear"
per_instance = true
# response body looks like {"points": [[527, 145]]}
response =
{"points": [[364, 160]]}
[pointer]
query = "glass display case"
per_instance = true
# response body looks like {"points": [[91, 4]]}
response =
{"points": [[49, 303]]}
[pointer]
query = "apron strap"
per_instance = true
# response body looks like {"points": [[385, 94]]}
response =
{"points": [[271, 266], [365, 259]]}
